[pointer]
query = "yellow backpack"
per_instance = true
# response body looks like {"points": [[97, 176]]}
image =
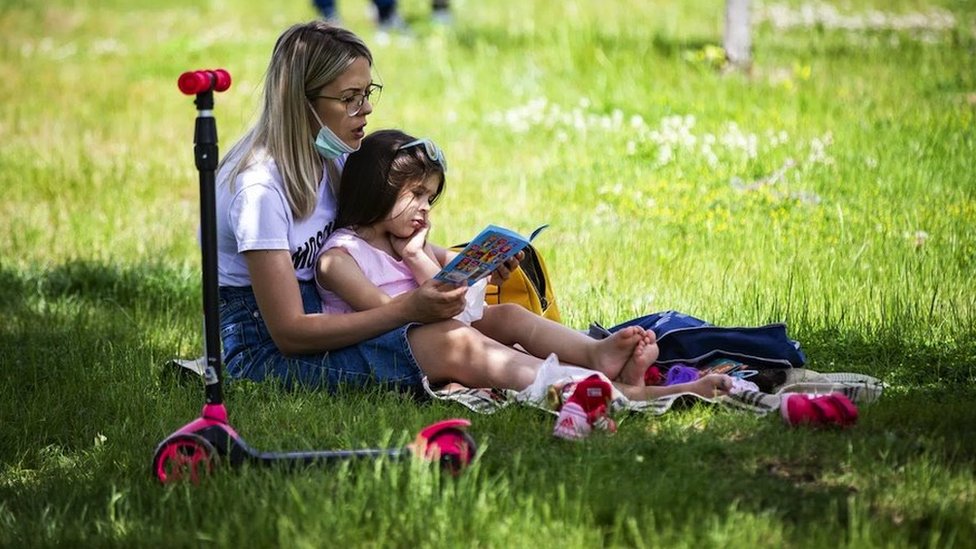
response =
{"points": [[529, 286]]}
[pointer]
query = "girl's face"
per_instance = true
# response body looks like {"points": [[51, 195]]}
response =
{"points": [[354, 80], [412, 208]]}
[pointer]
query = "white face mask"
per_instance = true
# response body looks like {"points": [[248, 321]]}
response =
{"points": [[327, 143]]}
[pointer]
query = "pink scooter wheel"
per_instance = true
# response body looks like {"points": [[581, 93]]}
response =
{"points": [[185, 456], [447, 443], [453, 448]]}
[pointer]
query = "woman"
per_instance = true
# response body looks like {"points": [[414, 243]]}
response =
{"points": [[275, 207]]}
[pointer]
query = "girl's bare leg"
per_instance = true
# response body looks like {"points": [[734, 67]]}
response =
{"points": [[452, 351], [616, 356]]}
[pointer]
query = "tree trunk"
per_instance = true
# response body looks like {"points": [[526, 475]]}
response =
{"points": [[738, 40]]}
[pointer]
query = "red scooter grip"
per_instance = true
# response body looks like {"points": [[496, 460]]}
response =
{"points": [[194, 82]]}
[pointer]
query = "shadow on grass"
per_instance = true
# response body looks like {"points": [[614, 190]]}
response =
{"points": [[895, 356], [82, 345], [79, 357], [150, 284], [702, 467]]}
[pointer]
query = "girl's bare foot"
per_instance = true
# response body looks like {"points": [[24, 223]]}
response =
{"points": [[644, 355], [610, 356]]}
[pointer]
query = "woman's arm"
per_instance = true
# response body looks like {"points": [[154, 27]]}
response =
{"points": [[295, 332]]}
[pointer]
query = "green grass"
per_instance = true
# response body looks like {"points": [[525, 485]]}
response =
{"points": [[611, 122]]}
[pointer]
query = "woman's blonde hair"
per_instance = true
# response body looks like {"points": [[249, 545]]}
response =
{"points": [[306, 58]]}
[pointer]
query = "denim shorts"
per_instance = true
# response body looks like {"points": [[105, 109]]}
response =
{"points": [[250, 353]]}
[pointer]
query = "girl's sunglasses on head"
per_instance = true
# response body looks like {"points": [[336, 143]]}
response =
{"points": [[434, 153]]}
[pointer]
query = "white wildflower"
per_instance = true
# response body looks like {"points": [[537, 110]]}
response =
{"points": [[108, 46], [918, 238], [820, 14], [664, 154]]}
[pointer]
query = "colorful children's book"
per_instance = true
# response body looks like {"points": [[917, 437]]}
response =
{"points": [[480, 257]]}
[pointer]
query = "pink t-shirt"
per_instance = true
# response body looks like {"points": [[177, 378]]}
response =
{"points": [[390, 275]]}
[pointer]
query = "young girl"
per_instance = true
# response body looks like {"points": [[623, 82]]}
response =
{"points": [[380, 250]]}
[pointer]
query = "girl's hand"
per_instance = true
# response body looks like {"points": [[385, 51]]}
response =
{"points": [[435, 300], [711, 385], [413, 245], [501, 274]]}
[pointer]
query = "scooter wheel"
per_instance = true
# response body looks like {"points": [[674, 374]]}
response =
{"points": [[185, 456], [452, 448]]}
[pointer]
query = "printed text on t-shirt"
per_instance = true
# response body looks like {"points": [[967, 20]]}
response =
{"points": [[304, 256]]}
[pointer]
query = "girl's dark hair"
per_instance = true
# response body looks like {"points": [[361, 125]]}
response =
{"points": [[375, 174]]}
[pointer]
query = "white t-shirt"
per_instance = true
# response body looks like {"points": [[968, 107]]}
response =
{"points": [[256, 216]]}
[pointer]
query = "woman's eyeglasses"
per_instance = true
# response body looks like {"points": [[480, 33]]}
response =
{"points": [[354, 101], [434, 153]]}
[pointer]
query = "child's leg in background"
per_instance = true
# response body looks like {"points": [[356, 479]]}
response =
{"points": [[326, 8]]}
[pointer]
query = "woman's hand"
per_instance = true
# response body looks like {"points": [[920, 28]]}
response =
{"points": [[435, 300], [501, 274]]}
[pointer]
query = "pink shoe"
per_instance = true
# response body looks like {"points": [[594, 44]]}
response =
{"points": [[847, 409], [818, 410], [586, 409], [572, 423]]}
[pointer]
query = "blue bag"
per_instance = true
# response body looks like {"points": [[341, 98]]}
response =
{"points": [[684, 338]]}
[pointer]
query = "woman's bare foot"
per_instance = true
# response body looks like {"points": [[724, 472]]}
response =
{"points": [[644, 355], [610, 356]]}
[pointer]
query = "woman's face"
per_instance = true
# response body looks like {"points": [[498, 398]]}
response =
{"points": [[412, 208], [354, 80]]}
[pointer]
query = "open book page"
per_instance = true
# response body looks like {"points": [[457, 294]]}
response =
{"points": [[492, 247]]}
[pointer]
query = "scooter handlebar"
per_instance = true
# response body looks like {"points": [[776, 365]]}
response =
{"points": [[200, 81]]}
